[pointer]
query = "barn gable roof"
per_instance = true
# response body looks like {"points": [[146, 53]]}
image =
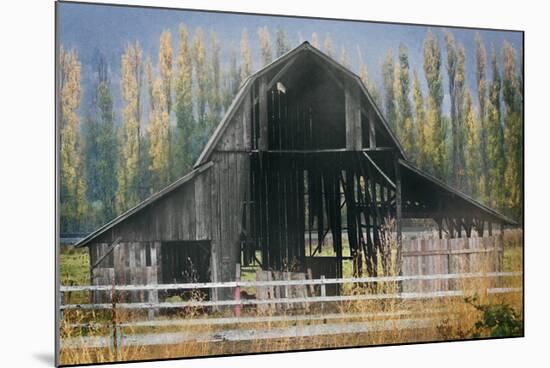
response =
{"points": [[283, 59]]}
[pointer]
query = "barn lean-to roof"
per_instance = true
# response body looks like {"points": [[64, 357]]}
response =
{"points": [[429, 179], [203, 162], [140, 206]]}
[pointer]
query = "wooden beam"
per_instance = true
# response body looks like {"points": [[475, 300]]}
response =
{"points": [[263, 141], [353, 117], [371, 118], [107, 252], [371, 161], [280, 73]]}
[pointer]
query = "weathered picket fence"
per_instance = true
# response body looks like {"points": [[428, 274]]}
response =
{"points": [[426, 255]]}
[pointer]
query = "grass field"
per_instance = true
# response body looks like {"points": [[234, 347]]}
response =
{"points": [[459, 318]]}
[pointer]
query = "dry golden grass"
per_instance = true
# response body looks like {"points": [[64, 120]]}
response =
{"points": [[444, 319]]}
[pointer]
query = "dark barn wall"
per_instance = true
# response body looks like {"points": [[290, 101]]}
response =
{"points": [[229, 180], [206, 207]]}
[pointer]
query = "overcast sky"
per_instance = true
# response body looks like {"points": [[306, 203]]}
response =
{"points": [[93, 29]]}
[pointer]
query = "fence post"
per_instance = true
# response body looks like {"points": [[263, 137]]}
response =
{"points": [[61, 302], [238, 290], [323, 293], [114, 320]]}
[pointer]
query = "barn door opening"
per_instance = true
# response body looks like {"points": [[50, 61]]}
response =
{"points": [[185, 262]]}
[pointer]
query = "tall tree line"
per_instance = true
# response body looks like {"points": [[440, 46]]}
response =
{"points": [[477, 148], [172, 102]]}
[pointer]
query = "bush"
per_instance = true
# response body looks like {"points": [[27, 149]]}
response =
{"points": [[498, 320]]}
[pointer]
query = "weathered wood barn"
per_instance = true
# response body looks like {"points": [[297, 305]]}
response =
{"points": [[302, 153]]}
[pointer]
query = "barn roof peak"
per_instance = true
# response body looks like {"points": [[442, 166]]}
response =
{"points": [[281, 61]]}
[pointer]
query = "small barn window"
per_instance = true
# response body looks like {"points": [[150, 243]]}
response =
{"points": [[147, 255]]}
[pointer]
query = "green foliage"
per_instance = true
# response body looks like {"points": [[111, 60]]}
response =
{"points": [[497, 320], [455, 72], [481, 63], [436, 125], [201, 76], [183, 91], [159, 135], [214, 93], [406, 129], [100, 159], [388, 75], [495, 139], [472, 139], [513, 122], [422, 156], [128, 169], [282, 44], [73, 186], [367, 81]]}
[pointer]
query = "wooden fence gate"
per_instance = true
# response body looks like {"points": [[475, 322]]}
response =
{"points": [[430, 256]]}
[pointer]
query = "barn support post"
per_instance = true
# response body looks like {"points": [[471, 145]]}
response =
{"points": [[353, 118], [372, 128], [263, 139]]}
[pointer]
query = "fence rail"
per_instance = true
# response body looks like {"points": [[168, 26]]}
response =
{"points": [[237, 328], [321, 281], [311, 299]]}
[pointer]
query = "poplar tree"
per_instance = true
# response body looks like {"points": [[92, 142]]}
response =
{"points": [[165, 62], [165, 66], [183, 100], [460, 82], [315, 40], [422, 158], [73, 187], [265, 45], [436, 124], [388, 75], [406, 128], [512, 96], [128, 169], [495, 138], [472, 133], [201, 77], [246, 56], [481, 63], [451, 73], [328, 45], [367, 81], [232, 78], [282, 43], [158, 130], [344, 60], [100, 150], [215, 94]]}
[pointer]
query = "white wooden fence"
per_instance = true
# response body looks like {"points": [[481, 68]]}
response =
{"points": [[320, 298], [398, 319]]}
